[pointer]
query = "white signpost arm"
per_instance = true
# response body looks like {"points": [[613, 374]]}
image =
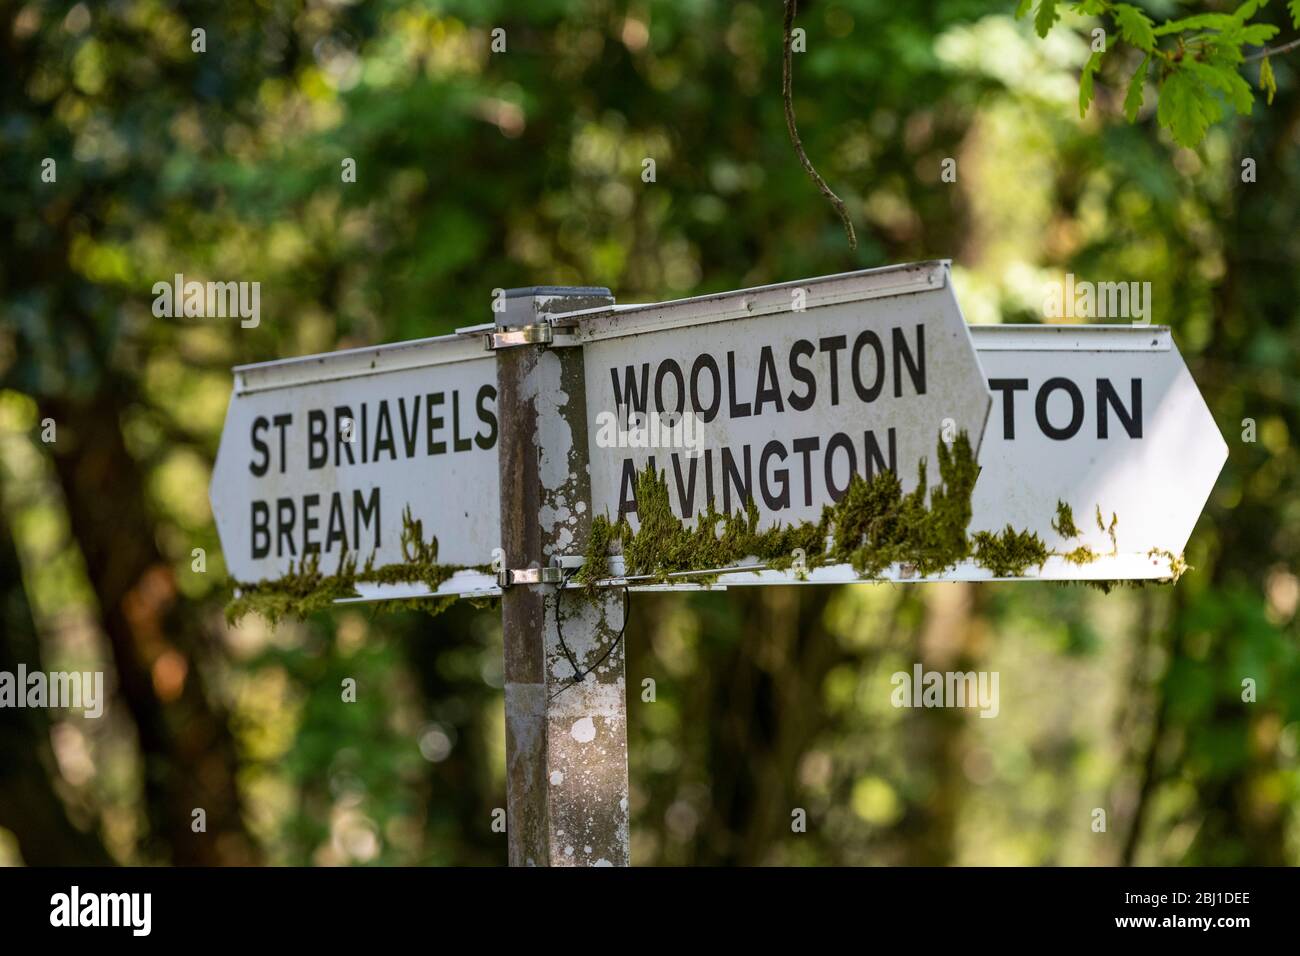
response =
{"points": [[566, 705]]}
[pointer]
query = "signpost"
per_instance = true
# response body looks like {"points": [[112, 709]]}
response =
{"points": [[1091, 442], [321, 457], [1103, 419], [789, 389], [566, 695], [1107, 420]]}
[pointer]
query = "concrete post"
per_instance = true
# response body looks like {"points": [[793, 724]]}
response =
{"points": [[566, 741]]}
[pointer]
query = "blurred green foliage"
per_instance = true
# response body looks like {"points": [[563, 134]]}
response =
{"points": [[1196, 62], [478, 170]]}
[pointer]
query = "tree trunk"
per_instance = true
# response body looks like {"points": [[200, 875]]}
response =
{"points": [[30, 807], [188, 753]]}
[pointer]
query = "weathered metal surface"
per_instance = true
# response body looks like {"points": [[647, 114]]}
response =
{"points": [[566, 741], [424, 430]]}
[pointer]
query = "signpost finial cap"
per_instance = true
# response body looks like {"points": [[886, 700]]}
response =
{"points": [[531, 304]]}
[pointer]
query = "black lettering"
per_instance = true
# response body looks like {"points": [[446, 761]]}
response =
{"points": [[282, 422], [1130, 419], [686, 493], [457, 443], [874, 460], [732, 477], [801, 403], [411, 426], [774, 449], [364, 436], [627, 489], [839, 440], [261, 529], [868, 338], [309, 524], [669, 367], [318, 444], [362, 512], [260, 424], [630, 395], [284, 526], [833, 345], [1008, 387], [432, 423], [384, 433], [915, 363], [805, 447], [343, 413], [1076, 413], [708, 477], [737, 409], [768, 389], [337, 528], [711, 412], [486, 393]]}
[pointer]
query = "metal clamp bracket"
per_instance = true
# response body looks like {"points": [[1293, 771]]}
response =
{"points": [[507, 577], [539, 333]]}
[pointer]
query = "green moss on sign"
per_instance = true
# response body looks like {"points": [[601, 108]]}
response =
{"points": [[304, 588], [1009, 553], [873, 526], [1178, 565], [1109, 529], [1081, 555], [1063, 524]]}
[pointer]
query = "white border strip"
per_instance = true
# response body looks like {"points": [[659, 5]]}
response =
{"points": [[1073, 338], [1137, 567], [466, 584], [358, 363], [595, 325]]}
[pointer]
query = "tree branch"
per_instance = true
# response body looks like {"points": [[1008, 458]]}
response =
{"points": [[1272, 51], [788, 98]]}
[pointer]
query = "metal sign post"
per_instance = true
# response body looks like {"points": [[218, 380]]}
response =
{"points": [[566, 700], [404, 471]]}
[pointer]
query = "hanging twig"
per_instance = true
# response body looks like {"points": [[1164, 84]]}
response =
{"points": [[788, 96]]}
